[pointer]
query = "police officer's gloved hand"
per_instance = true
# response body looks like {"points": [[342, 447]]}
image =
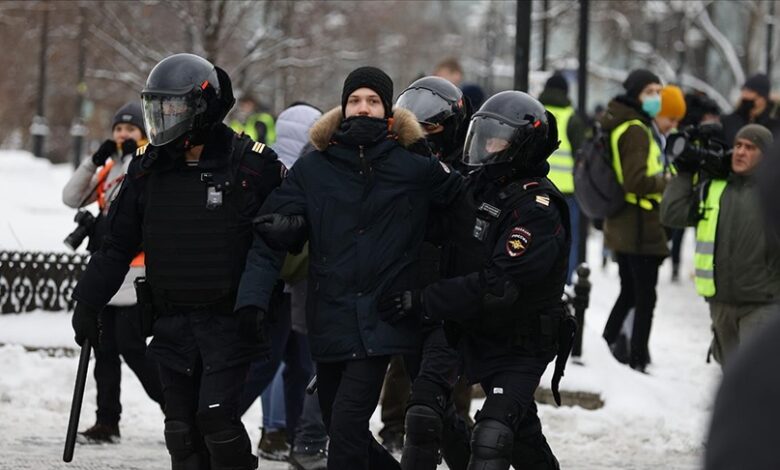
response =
{"points": [[86, 324], [129, 147], [103, 153], [252, 324], [397, 306], [282, 232]]}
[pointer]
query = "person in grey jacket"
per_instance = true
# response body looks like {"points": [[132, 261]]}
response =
{"points": [[98, 179], [737, 258]]}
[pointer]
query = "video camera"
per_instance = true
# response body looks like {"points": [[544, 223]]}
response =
{"points": [[700, 149], [85, 222]]}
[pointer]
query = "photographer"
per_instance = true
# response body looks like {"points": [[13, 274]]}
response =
{"points": [[737, 260], [98, 179]]}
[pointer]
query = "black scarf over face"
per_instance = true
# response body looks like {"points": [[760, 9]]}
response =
{"points": [[362, 131]]}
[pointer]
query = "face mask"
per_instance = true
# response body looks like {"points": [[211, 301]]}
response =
{"points": [[745, 106], [652, 105]]}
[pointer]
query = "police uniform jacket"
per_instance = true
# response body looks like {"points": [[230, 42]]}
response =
{"points": [[366, 210], [194, 223], [509, 259]]}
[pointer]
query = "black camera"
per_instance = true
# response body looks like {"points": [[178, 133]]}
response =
{"points": [[700, 148], [85, 222]]}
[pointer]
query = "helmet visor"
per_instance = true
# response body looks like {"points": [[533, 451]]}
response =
{"points": [[487, 141], [427, 106], [168, 117]]}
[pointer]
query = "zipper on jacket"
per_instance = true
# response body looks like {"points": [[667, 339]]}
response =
{"points": [[364, 169]]}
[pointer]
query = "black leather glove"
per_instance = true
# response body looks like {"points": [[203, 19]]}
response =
{"points": [[282, 232], [129, 147], [397, 306], [103, 153], [86, 324], [252, 325]]}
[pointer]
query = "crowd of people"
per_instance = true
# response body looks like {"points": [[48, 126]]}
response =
{"points": [[399, 250]]}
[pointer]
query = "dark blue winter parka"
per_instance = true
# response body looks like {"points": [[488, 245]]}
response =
{"points": [[366, 210]]}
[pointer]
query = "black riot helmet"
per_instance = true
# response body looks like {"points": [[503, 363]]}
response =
{"points": [[436, 101], [184, 96], [510, 127]]}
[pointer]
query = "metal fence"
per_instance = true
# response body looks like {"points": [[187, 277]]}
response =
{"points": [[32, 280]]}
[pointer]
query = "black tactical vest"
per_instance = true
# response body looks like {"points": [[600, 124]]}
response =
{"points": [[493, 210], [194, 237]]}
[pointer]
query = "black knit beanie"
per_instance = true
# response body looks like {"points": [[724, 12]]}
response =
{"points": [[758, 83], [758, 134], [373, 78], [558, 82], [637, 80], [131, 113]]}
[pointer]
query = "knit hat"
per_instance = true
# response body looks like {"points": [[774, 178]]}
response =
{"points": [[373, 78], [758, 134], [672, 102], [558, 82], [131, 113], [637, 80], [758, 83]]}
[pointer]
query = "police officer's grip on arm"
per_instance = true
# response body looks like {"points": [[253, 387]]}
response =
{"points": [[106, 149], [282, 232], [86, 324]]}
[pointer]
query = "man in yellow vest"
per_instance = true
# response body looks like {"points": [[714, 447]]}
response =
{"points": [[635, 234], [571, 132], [258, 125], [737, 259]]}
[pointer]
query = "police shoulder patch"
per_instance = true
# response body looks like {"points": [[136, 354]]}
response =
{"points": [[141, 150], [518, 241], [258, 147]]}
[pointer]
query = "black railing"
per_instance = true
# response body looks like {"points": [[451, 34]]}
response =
{"points": [[32, 280]]}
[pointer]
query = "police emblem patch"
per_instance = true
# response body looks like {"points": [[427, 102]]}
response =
{"points": [[518, 241]]}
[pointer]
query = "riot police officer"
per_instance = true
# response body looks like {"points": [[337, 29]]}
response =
{"points": [[443, 113], [189, 198], [504, 308]]}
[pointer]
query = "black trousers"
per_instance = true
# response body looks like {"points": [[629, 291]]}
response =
{"points": [[638, 278], [510, 400], [121, 335], [349, 393]]}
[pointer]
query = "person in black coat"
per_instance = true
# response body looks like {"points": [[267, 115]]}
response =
{"points": [[503, 308], [189, 198], [362, 200]]}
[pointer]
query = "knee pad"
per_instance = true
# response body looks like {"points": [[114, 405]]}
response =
{"points": [[183, 446], [455, 439], [423, 434], [532, 452], [226, 440], [491, 445]]}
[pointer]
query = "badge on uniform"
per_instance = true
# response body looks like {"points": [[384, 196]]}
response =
{"points": [[213, 197], [480, 229], [518, 241]]}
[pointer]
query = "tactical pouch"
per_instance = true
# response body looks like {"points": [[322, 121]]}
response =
{"points": [[143, 293]]}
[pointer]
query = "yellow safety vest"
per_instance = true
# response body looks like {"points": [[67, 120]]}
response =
{"points": [[654, 166], [706, 229], [250, 129], [562, 161]]}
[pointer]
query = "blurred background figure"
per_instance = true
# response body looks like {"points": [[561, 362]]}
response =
{"points": [[253, 121], [754, 106], [449, 69]]}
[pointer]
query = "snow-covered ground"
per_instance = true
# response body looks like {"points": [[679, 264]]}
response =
{"points": [[657, 420]]}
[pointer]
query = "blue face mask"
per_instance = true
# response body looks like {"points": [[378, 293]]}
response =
{"points": [[652, 105]]}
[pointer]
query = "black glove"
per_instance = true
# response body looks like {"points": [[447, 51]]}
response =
{"points": [[397, 306], [282, 232], [86, 324], [251, 320], [129, 147], [103, 153]]}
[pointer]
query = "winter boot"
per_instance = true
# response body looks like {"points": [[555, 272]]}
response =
{"points": [[300, 460], [100, 433], [273, 445]]}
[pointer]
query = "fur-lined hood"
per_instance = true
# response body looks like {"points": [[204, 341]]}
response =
{"points": [[404, 126]]}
